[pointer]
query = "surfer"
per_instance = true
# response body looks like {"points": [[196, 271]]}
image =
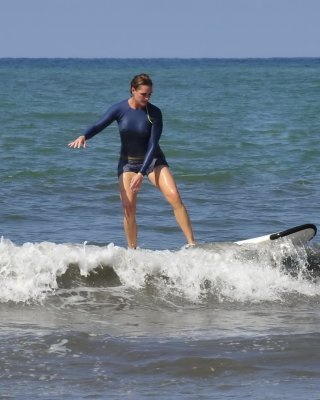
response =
{"points": [[140, 127]]}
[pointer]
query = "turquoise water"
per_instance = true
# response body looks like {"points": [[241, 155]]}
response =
{"points": [[242, 140]]}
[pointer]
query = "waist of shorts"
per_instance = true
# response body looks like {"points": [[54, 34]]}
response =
{"points": [[136, 159]]}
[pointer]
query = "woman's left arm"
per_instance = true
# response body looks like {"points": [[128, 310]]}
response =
{"points": [[156, 131]]}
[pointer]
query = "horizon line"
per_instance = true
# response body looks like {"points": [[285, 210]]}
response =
{"points": [[160, 58]]}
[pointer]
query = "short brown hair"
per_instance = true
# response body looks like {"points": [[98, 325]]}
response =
{"points": [[141, 79]]}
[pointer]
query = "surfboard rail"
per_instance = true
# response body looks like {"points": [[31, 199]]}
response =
{"points": [[300, 234]]}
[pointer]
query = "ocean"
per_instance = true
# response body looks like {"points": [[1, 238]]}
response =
{"points": [[82, 316]]}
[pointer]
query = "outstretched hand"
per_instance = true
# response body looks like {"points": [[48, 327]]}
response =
{"points": [[79, 142]]}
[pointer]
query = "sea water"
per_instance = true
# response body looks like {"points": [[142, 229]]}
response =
{"points": [[84, 317]]}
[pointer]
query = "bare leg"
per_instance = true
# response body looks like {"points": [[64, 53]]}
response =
{"points": [[129, 205], [162, 178]]}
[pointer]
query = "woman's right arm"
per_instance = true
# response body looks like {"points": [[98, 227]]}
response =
{"points": [[106, 120]]}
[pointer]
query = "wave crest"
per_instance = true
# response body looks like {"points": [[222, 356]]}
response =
{"points": [[221, 271]]}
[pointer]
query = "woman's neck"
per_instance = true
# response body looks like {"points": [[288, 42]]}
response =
{"points": [[133, 104]]}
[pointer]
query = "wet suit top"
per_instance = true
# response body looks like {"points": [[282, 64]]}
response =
{"points": [[140, 131]]}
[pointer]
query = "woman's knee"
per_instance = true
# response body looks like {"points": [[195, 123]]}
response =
{"points": [[174, 199], [129, 209]]}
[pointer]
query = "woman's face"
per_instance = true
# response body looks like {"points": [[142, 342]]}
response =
{"points": [[142, 95]]}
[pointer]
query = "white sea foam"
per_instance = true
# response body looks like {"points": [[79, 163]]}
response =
{"points": [[29, 272]]}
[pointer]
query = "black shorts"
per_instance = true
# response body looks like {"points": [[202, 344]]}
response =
{"points": [[129, 165]]}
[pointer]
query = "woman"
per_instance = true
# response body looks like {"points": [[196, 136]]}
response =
{"points": [[140, 126]]}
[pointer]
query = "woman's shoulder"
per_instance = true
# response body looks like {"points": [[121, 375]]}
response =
{"points": [[121, 105], [118, 109], [154, 109]]}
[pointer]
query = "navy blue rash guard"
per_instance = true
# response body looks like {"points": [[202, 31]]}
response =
{"points": [[140, 131]]}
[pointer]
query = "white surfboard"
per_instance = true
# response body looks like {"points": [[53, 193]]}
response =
{"points": [[298, 235]]}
